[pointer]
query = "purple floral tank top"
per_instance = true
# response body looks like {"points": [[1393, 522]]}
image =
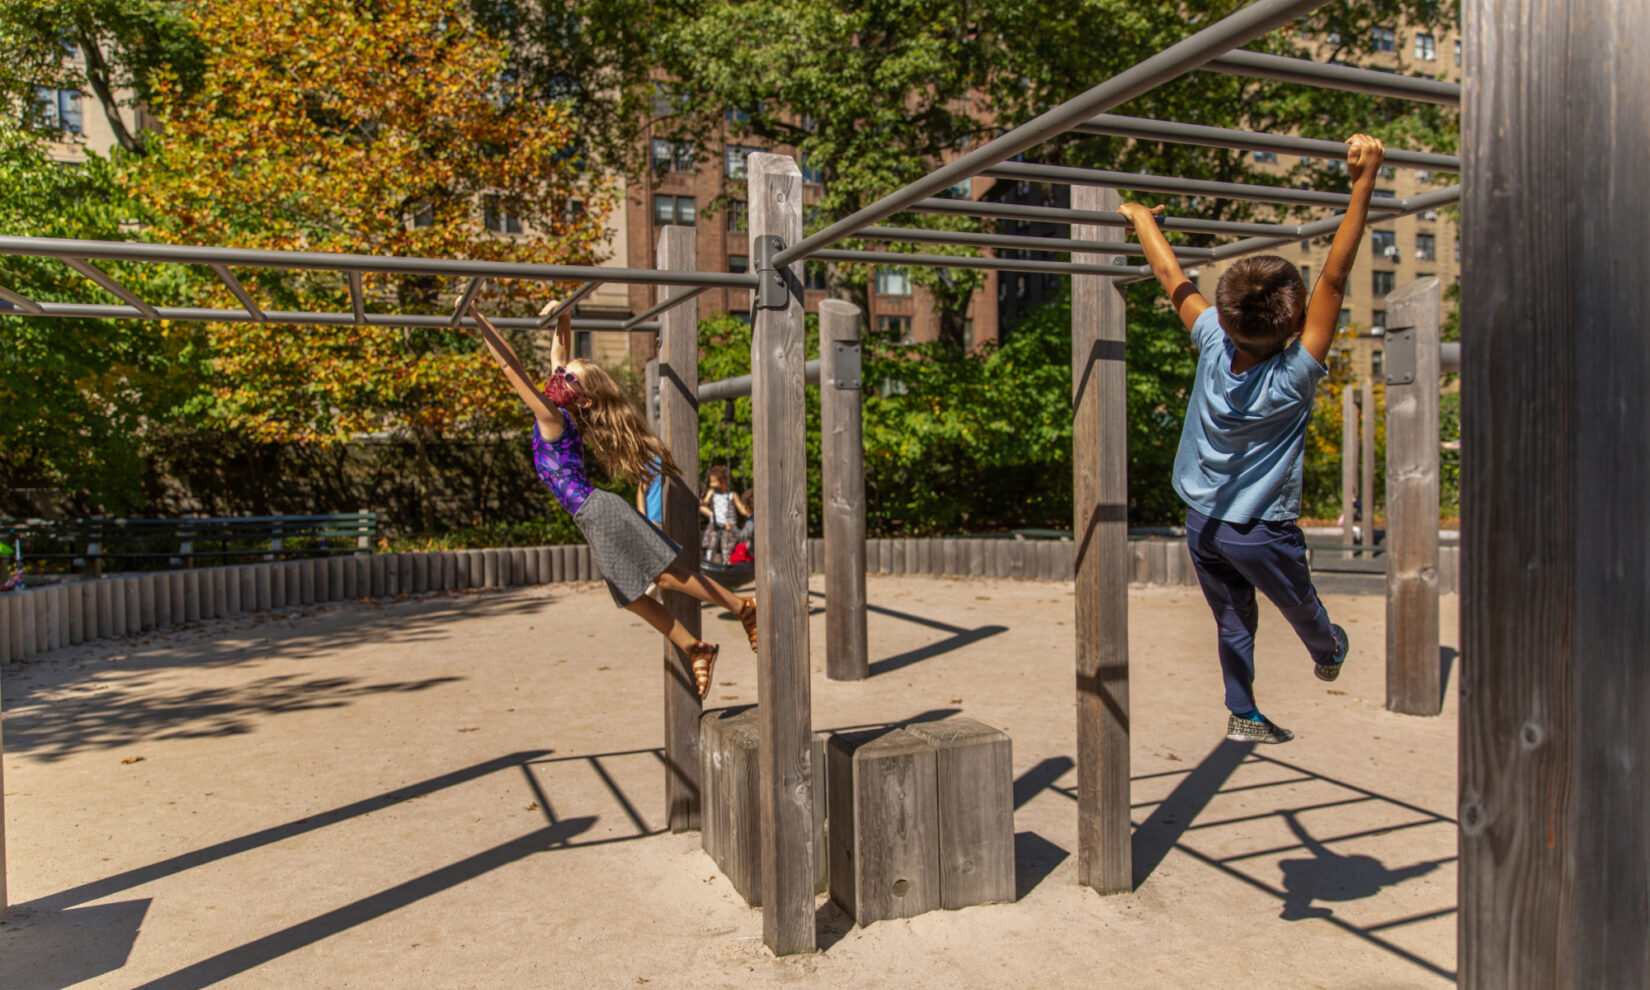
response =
{"points": [[560, 465]]}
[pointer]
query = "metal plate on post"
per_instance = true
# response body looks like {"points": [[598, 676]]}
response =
{"points": [[1398, 356], [771, 290], [846, 369]]}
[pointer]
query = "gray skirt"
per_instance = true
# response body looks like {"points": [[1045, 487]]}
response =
{"points": [[628, 550]]}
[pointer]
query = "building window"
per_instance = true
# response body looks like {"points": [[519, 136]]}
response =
{"points": [[497, 218], [1426, 247], [677, 210], [1384, 243], [1021, 283], [664, 100], [893, 282], [810, 169], [735, 157], [1458, 253], [1383, 282], [425, 217], [1384, 39], [739, 264], [898, 327], [737, 115], [1345, 319], [1306, 246], [59, 108], [960, 190], [738, 214], [968, 335], [1389, 172], [1377, 321], [1266, 156], [1423, 175], [1051, 281], [1306, 275], [1385, 194], [672, 156], [1458, 53], [813, 275], [1426, 48]]}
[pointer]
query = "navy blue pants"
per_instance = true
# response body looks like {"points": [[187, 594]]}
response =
{"points": [[1232, 561]]}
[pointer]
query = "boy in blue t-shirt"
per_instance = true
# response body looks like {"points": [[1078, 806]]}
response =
{"points": [[1238, 468]]}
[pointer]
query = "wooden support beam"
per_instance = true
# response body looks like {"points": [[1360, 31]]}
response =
{"points": [[1366, 427], [1412, 662], [679, 429], [1555, 855], [1100, 482], [1349, 465], [780, 452], [842, 456]]}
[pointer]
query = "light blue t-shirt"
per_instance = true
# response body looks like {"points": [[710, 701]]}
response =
{"points": [[1240, 450]]}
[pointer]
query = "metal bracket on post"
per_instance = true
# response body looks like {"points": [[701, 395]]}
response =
{"points": [[1398, 355], [845, 370], [771, 290]]}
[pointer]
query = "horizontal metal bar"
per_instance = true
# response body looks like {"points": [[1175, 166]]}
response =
{"points": [[1170, 185], [1332, 75], [739, 386], [1407, 206], [23, 303], [1449, 357], [102, 278], [1061, 215], [962, 261], [234, 285], [55, 247], [466, 298], [572, 300], [1240, 28], [1145, 129], [661, 306], [190, 314], [968, 238]]}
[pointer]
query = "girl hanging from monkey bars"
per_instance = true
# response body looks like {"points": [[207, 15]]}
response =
{"points": [[582, 409]]}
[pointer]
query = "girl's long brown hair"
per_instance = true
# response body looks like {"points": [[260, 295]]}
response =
{"points": [[614, 432]]}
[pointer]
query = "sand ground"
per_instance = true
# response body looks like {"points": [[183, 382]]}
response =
{"points": [[465, 790]]}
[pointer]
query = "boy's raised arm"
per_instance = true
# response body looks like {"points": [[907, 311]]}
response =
{"points": [[1323, 313], [1188, 302]]}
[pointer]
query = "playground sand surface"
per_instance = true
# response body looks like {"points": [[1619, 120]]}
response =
{"points": [[463, 791]]}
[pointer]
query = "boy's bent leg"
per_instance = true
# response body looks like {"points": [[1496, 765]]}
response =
{"points": [[1278, 569], [1232, 600]]}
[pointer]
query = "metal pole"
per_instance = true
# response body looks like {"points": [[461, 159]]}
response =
{"points": [[466, 298], [1170, 185], [191, 314], [1061, 215], [1407, 206], [238, 290], [739, 386], [1242, 27], [1173, 132], [102, 278], [570, 301], [1058, 245], [1328, 75], [964, 261], [670, 302]]}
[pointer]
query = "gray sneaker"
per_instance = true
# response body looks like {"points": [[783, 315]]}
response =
{"points": [[1331, 670], [1264, 731]]}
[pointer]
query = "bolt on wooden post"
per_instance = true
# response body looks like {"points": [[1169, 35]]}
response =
{"points": [[780, 452], [841, 421], [1100, 473], [678, 375]]}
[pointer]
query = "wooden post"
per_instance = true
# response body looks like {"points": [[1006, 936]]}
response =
{"points": [[1100, 481], [1349, 465], [780, 452], [842, 457], [650, 384], [678, 371], [974, 774], [1555, 855], [885, 843], [1412, 660], [1366, 483]]}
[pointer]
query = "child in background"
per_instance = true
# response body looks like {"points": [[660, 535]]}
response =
{"points": [[1238, 468], [582, 406], [722, 506], [650, 497]]}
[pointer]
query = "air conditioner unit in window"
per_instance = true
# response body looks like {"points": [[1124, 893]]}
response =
{"points": [[1391, 252], [1423, 176], [1429, 214], [1420, 255]]}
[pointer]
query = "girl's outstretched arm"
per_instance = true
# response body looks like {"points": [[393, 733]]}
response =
{"points": [[561, 344], [549, 418]]}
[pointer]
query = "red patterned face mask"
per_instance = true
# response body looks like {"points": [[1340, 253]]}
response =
{"points": [[562, 390]]}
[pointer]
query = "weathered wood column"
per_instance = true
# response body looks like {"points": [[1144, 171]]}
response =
{"points": [[780, 453], [841, 416], [1411, 366], [1100, 482], [1555, 683], [1366, 429], [5, 904], [1349, 463], [650, 391], [678, 366]]}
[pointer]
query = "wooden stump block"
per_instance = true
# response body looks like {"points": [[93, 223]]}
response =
{"points": [[306, 581], [884, 824], [133, 593], [730, 822], [489, 569], [377, 571], [974, 768], [420, 573], [403, 583], [530, 575], [293, 580], [336, 568], [146, 602], [547, 564]]}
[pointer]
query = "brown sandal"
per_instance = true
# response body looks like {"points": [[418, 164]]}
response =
{"points": [[701, 657], [747, 618]]}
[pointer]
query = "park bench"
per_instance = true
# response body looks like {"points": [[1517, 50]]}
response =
{"points": [[86, 543]]}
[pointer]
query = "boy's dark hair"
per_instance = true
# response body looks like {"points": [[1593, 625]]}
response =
{"points": [[1261, 301]]}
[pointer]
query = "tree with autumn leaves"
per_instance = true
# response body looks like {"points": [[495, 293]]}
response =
{"points": [[387, 128]]}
